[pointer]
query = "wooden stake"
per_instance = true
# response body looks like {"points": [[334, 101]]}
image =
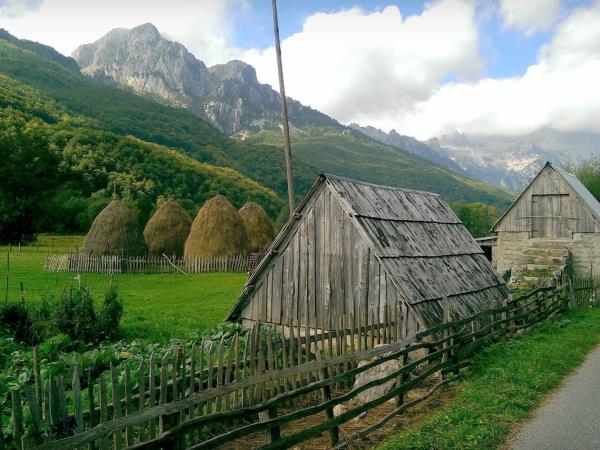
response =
{"points": [[284, 112]]}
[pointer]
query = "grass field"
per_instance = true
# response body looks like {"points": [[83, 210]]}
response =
{"points": [[504, 386], [157, 307]]}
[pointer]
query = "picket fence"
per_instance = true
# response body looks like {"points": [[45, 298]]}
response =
{"points": [[111, 264], [585, 292], [264, 387]]}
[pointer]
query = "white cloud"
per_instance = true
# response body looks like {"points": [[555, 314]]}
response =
{"points": [[529, 15], [204, 26], [559, 91], [359, 66], [16, 8]]}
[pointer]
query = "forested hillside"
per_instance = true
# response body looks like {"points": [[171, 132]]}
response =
{"points": [[126, 113], [58, 170], [355, 155]]}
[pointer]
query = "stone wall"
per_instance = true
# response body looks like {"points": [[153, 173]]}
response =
{"points": [[508, 249], [585, 248], [586, 253]]}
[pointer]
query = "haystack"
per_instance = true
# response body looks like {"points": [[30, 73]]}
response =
{"points": [[115, 231], [259, 227], [217, 230], [168, 229]]}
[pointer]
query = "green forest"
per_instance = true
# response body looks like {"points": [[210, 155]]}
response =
{"points": [[59, 170]]}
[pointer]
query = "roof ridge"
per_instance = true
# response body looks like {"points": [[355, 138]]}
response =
{"points": [[329, 176]]}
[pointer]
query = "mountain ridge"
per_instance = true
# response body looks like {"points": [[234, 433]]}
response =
{"points": [[228, 95]]}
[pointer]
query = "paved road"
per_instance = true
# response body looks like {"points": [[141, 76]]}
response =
{"points": [[570, 420]]}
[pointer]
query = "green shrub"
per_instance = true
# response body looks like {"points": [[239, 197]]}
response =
{"points": [[15, 318], [110, 315], [72, 314]]}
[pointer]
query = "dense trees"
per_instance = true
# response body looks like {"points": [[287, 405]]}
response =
{"points": [[477, 217], [58, 171], [588, 172], [29, 174]]}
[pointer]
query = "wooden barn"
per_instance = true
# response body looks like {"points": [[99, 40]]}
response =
{"points": [[354, 247], [554, 216]]}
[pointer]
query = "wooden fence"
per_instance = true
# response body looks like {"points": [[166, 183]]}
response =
{"points": [[585, 292], [262, 388], [110, 264]]}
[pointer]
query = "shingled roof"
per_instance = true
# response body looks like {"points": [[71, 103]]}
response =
{"points": [[425, 249]]}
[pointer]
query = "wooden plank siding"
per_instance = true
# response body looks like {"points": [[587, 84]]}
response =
{"points": [[298, 282]]}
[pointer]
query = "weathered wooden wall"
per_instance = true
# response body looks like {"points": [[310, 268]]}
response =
{"points": [[325, 265], [548, 209]]}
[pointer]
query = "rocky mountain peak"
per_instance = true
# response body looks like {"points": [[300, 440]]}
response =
{"points": [[235, 69], [228, 95], [146, 32]]}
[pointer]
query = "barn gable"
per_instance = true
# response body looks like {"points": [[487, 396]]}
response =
{"points": [[555, 204], [355, 245]]}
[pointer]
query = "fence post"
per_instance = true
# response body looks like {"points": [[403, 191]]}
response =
{"points": [[77, 402], [274, 433], [511, 322], [504, 316], [334, 432], [446, 318], [34, 410], [404, 377], [37, 376], [571, 293], [17, 416]]}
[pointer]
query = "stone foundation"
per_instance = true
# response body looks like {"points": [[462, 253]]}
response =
{"points": [[585, 248]]}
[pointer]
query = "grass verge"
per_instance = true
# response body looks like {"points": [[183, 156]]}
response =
{"points": [[504, 385]]}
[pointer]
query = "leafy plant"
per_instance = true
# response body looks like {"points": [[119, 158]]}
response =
{"points": [[72, 315]]}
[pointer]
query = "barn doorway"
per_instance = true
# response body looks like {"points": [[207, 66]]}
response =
{"points": [[550, 216]]}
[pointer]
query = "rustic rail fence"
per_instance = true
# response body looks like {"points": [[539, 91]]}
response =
{"points": [[256, 388], [111, 264]]}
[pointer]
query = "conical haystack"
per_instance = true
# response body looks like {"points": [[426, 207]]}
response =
{"points": [[168, 229], [217, 230], [259, 227], [115, 231]]}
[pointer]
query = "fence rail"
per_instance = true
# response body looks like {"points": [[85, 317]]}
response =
{"points": [[110, 264], [260, 389]]}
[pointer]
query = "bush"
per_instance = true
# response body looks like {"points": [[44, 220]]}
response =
{"points": [[72, 315], [110, 316], [15, 318]]}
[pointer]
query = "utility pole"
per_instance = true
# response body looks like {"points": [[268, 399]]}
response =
{"points": [[284, 112]]}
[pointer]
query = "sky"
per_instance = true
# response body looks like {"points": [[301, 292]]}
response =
{"points": [[423, 68]]}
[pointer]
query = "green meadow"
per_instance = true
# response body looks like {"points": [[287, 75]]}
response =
{"points": [[157, 307]]}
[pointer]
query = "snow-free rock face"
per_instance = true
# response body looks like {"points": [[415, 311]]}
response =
{"points": [[145, 62], [228, 95]]}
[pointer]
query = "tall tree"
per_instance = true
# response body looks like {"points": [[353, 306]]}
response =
{"points": [[29, 175]]}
